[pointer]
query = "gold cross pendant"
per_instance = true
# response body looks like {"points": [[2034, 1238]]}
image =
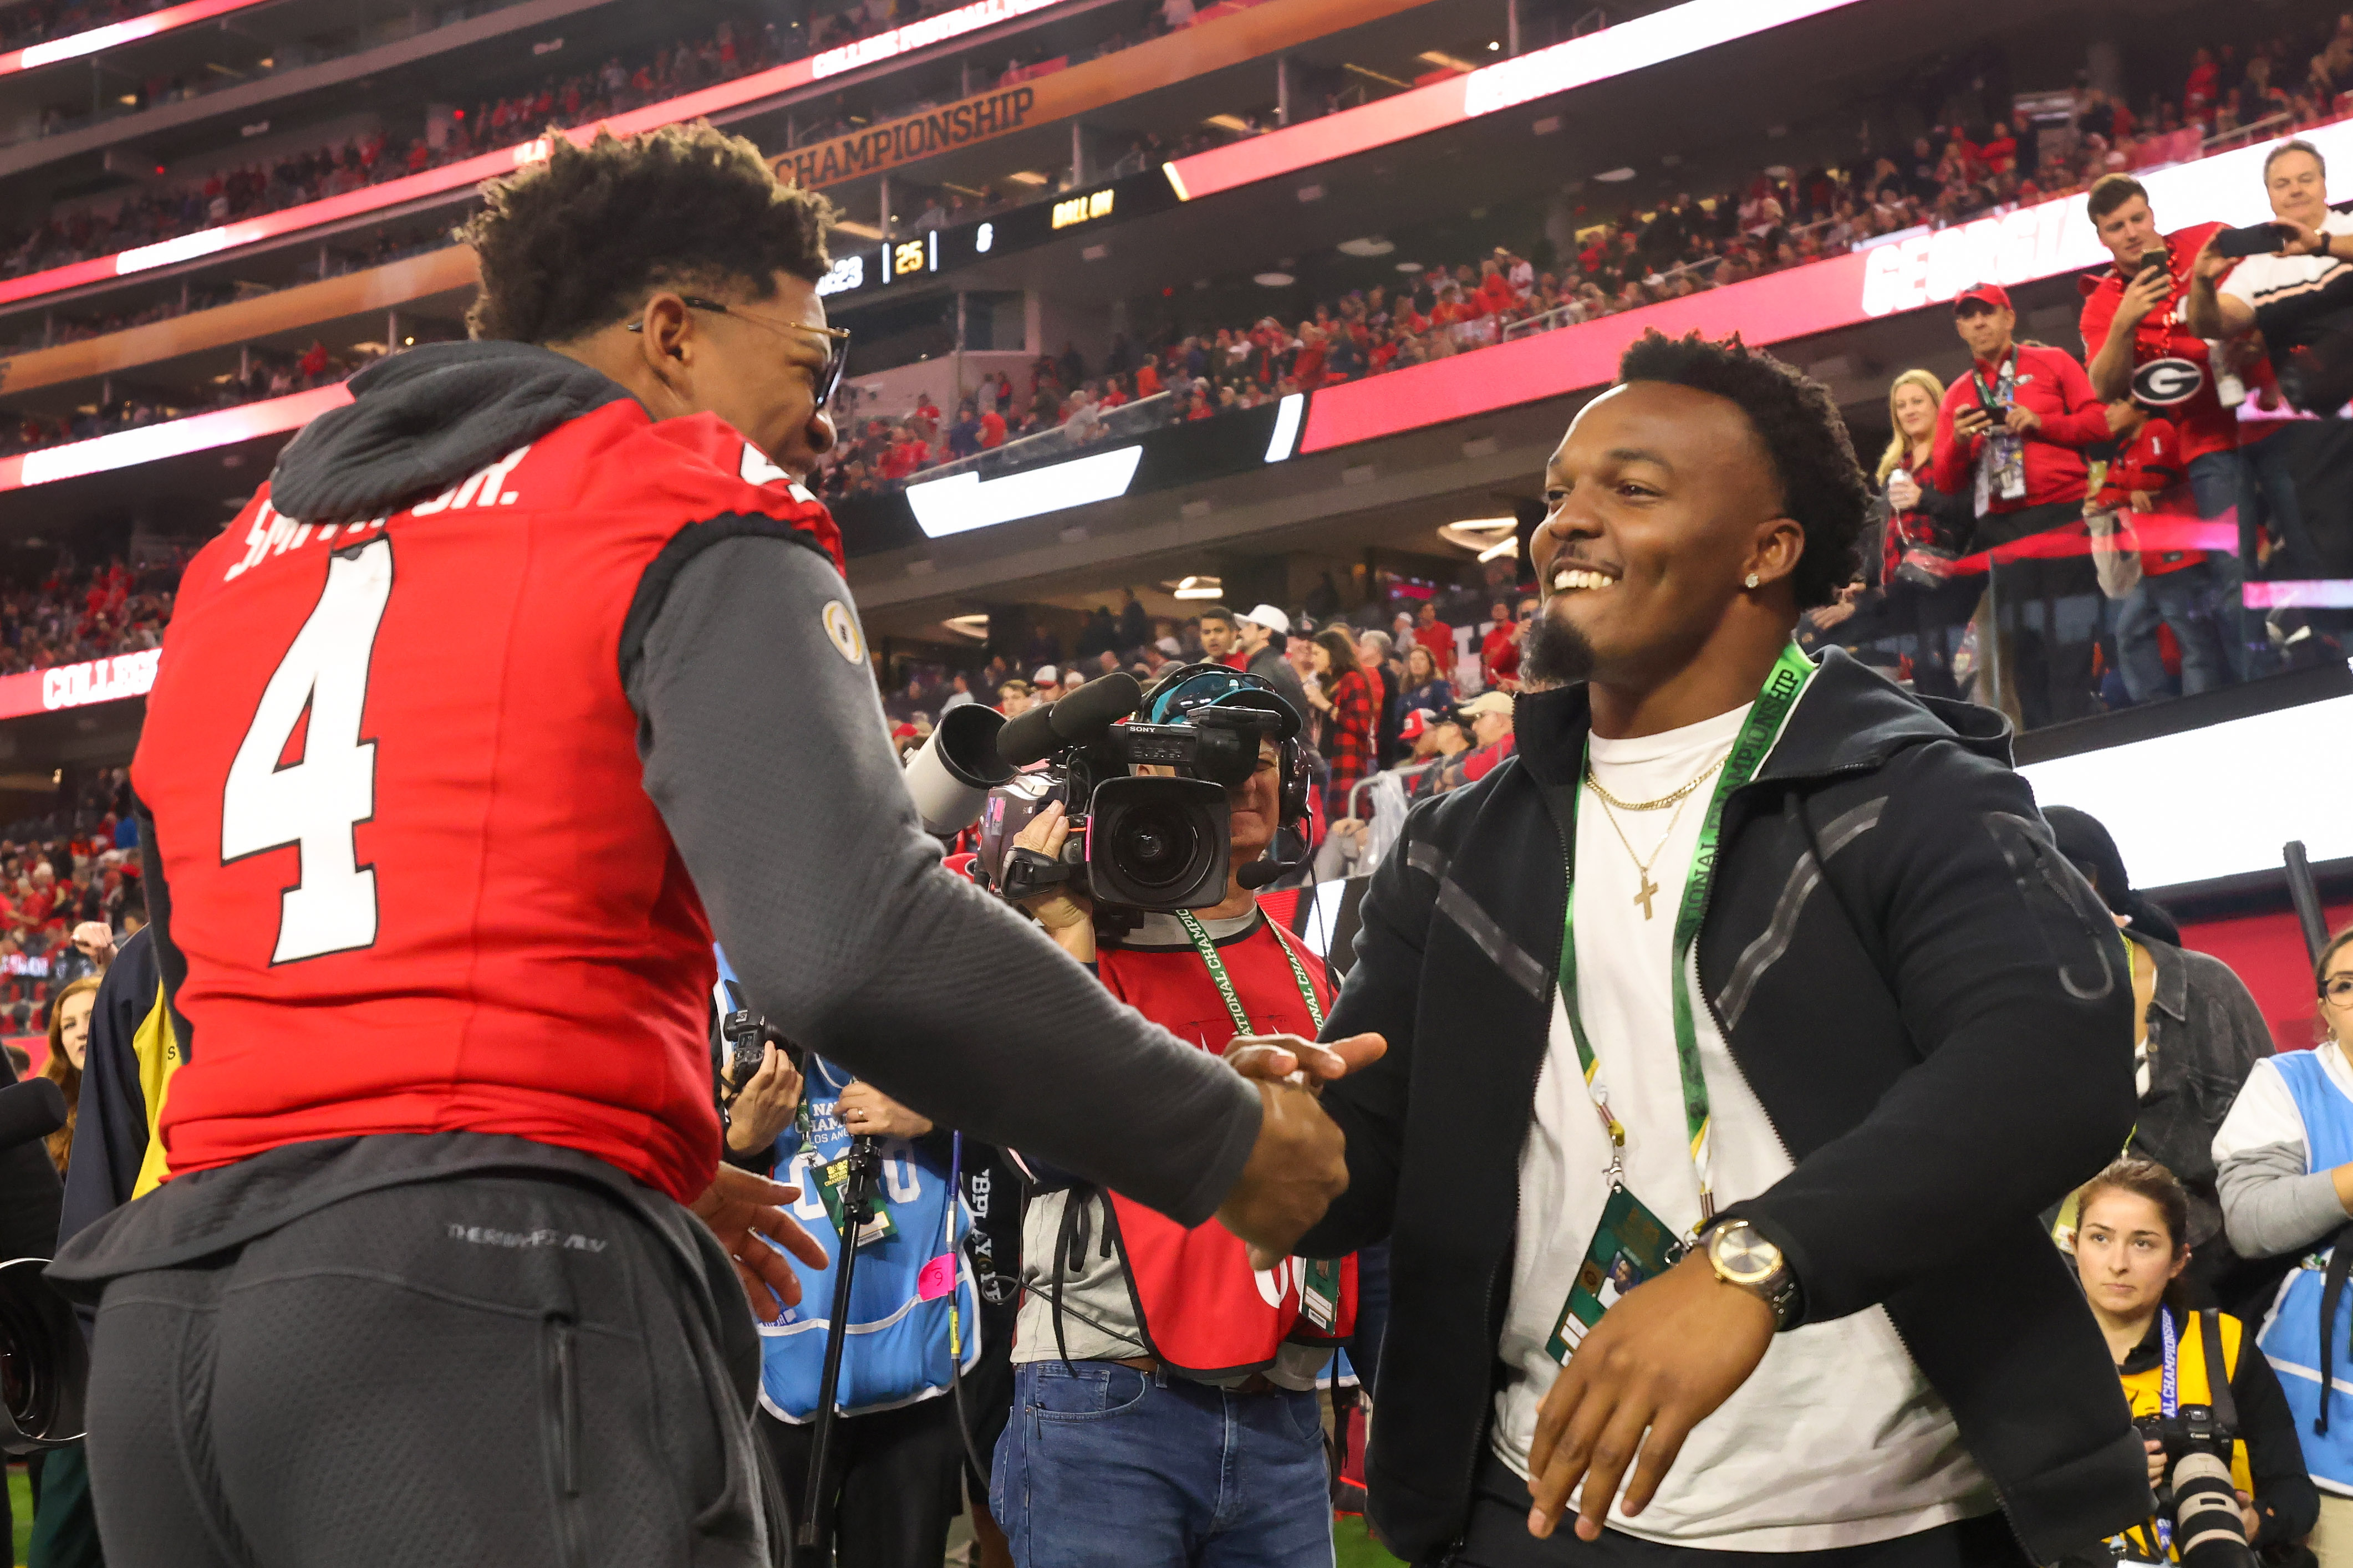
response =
{"points": [[1649, 888]]}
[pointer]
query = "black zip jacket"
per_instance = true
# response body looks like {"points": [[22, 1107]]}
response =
{"points": [[1931, 1004]]}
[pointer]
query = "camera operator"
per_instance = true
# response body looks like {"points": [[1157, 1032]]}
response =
{"points": [[2136, 330], [2300, 298], [2130, 1251], [442, 984], [1156, 1380], [2015, 427]]}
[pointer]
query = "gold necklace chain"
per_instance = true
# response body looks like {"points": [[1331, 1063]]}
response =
{"points": [[1639, 864], [1660, 803]]}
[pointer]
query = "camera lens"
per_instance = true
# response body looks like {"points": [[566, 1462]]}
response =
{"points": [[1155, 845]]}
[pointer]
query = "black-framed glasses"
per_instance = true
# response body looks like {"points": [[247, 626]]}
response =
{"points": [[2340, 990], [836, 361]]}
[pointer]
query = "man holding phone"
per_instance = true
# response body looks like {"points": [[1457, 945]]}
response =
{"points": [[2141, 348], [2014, 427]]}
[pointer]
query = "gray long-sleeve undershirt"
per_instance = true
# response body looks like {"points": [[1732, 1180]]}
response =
{"points": [[2271, 1204], [765, 751]]}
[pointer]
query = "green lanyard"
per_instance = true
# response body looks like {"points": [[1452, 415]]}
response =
{"points": [[1986, 394], [1209, 950], [1786, 679]]}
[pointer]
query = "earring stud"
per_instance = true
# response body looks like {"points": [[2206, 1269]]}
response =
{"points": [[1752, 579]]}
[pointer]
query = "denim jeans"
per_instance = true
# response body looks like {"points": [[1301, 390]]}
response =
{"points": [[1102, 1464], [2183, 599]]}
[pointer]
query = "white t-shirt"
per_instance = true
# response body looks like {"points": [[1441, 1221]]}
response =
{"points": [[1837, 1439], [2260, 281]]}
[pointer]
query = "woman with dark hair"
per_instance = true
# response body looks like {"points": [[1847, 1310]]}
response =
{"points": [[1343, 719], [2130, 1250], [1424, 686], [2197, 1032], [69, 1043], [2285, 1160]]}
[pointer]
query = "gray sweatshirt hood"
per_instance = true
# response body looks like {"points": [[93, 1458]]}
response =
{"points": [[421, 420]]}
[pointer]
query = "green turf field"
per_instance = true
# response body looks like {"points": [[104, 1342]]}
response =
{"points": [[1355, 1549], [20, 1508]]}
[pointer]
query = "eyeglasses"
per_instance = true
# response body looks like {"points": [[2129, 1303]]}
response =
{"points": [[2339, 991], [829, 380]]}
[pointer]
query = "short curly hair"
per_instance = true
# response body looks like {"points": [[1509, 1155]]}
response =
{"points": [[1799, 425], [579, 240]]}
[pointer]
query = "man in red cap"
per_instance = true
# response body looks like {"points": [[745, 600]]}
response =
{"points": [[2014, 428]]}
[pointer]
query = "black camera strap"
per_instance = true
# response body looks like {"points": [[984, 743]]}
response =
{"points": [[2332, 1291], [2224, 1404]]}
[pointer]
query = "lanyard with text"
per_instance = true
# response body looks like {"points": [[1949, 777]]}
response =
{"points": [[1786, 679], [2007, 373], [1209, 950], [2168, 1404]]}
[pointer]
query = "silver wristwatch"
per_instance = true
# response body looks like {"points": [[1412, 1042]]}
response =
{"points": [[1741, 1257]]}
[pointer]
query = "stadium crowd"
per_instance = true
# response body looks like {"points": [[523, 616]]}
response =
{"points": [[73, 615]]}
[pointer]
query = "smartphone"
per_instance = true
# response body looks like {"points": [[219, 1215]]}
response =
{"points": [[2255, 239], [2156, 261]]}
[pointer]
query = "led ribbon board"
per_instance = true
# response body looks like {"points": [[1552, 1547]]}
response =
{"points": [[962, 503]]}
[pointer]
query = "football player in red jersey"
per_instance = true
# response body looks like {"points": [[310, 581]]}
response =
{"points": [[527, 674]]}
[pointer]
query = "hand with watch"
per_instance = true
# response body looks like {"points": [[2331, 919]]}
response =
{"points": [[1659, 1362]]}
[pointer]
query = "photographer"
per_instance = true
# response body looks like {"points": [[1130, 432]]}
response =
{"points": [[2130, 1251], [2014, 427], [2300, 298], [1152, 1371], [445, 978]]}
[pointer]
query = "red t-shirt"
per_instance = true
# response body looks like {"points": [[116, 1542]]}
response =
{"points": [[992, 429], [1500, 651], [2204, 425], [1438, 638], [2152, 463]]}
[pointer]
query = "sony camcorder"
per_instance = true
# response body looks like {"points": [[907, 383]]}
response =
{"points": [[1137, 841]]}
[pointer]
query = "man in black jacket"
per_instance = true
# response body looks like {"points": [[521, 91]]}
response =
{"points": [[1861, 1022]]}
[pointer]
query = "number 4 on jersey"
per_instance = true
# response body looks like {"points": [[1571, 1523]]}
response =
{"points": [[316, 802]]}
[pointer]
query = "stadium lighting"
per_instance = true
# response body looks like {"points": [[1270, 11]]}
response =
{"points": [[174, 437], [76, 45], [1198, 588], [975, 626], [962, 503]]}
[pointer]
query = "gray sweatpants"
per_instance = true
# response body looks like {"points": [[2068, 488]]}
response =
{"points": [[488, 1369]]}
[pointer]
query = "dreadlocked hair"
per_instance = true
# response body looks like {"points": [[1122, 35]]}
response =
{"points": [[1799, 425], [581, 240]]}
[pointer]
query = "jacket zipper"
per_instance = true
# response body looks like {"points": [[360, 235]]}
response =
{"points": [[560, 1412], [1724, 1032]]}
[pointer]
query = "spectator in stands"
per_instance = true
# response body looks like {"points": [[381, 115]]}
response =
{"points": [[959, 691], [2176, 588], [1424, 686], [2014, 428], [69, 1042], [1342, 698], [2296, 299], [2132, 316], [2131, 1248], [1499, 649], [1013, 698], [1382, 672], [1906, 588], [2197, 1035], [1221, 637], [2284, 1159], [1489, 717], [1264, 650], [1436, 636]]}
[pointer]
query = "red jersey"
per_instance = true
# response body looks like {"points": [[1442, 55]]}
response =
{"points": [[2151, 463], [413, 871], [2205, 426]]}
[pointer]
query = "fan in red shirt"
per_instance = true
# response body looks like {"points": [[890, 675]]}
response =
{"points": [[1499, 650], [2176, 588], [1436, 636], [2013, 430]]}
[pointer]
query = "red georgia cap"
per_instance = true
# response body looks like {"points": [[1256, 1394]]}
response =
{"points": [[1992, 294]]}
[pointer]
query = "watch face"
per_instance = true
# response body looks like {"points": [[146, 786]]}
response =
{"points": [[1744, 1256]]}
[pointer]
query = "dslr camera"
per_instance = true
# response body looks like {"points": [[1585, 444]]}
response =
{"points": [[1138, 843], [2198, 1499]]}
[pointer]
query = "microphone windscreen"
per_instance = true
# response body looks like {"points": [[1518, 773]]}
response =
{"points": [[1093, 708], [33, 1109], [1028, 737]]}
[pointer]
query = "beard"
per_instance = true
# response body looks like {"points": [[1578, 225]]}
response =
{"points": [[1554, 653]]}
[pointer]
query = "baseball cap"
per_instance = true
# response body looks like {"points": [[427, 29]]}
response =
{"points": [[1498, 702], [1047, 675], [1269, 617], [1992, 295], [1418, 721]]}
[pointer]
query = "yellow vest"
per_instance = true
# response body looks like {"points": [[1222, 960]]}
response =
{"points": [[158, 1054], [2145, 1391]]}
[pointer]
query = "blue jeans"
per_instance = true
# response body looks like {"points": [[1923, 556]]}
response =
{"points": [[1102, 1464], [2183, 599], [2218, 482]]}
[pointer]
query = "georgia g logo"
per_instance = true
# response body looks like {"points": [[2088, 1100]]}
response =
{"points": [[2164, 383]]}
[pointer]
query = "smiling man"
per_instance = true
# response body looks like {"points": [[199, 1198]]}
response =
{"points": [[1724, 1190]]}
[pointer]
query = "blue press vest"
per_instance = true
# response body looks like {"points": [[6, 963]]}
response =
{"points": [[2291, 1335], [898, 1347]]}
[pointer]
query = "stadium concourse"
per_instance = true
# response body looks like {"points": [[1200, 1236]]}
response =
{"points": [[1228, 348]]}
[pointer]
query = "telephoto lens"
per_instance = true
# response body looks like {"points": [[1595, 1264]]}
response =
{"points": [[2208, 1531]]}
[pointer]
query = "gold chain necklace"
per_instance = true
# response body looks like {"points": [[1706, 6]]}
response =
{"points": [[1660, 803], [1645, 888]]}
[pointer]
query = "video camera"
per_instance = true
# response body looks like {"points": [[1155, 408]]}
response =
{"points": [[1153, 843], [44, 1360]]}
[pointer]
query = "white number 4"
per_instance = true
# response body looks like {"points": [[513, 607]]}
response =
{"points": [[315, 802]]}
